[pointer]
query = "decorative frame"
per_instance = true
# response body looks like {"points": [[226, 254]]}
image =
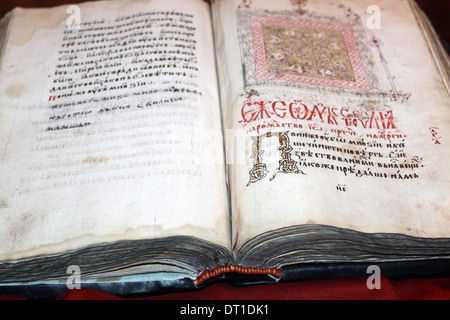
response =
{"points": [[254, 34]]}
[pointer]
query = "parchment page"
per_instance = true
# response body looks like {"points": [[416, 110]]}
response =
{"points": [[337, 115], [110, 127]]}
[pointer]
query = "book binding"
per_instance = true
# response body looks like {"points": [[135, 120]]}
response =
{"points": [[217, 271]]}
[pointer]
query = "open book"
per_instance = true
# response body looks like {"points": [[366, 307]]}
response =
{"points": [[180, 141]]}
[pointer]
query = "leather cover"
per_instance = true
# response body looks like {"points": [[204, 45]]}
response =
{"points": [[439, 268]]}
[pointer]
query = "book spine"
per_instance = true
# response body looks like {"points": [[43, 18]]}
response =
{"points": [[217, 271]]}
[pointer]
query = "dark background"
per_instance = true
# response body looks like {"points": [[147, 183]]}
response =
{"points": [[437, 10]]}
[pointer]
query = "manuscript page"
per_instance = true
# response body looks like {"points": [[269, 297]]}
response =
{"points": [[344, 122], [110, 129]]}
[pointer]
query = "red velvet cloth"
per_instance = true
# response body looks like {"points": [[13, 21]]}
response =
{"points": [[348, 289]]}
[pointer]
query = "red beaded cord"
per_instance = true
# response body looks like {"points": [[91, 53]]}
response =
{"points": [[211, 273]]}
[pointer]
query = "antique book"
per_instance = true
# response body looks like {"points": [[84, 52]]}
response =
{"points": [[149, 146]]}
